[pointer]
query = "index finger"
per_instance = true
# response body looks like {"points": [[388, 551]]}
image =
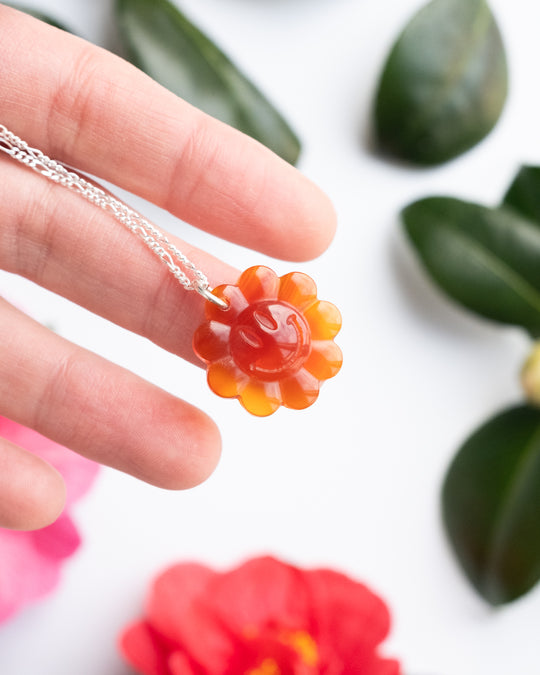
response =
{"points": [[92, 110]]}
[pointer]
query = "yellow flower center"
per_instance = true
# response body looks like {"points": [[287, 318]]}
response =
{"points": [[304, 645], [299, 641], [267, 667]]}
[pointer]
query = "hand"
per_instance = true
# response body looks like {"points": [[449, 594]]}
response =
{"points": [[89, 109]]}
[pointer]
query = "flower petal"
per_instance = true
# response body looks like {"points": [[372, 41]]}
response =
{"points": [[172, 597], [259, 283], [260, 398], [324, 360], [26, 574], [143, 650], [298, 289], [175, 612], [347, 615], [59, 540], [379, 666], [179, 664], [211, 341], [324, 320], [260, 593], [225, 378], [299, 391], [236, 300]]}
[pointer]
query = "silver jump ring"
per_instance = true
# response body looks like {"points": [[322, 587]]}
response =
{"points": [[208, 295]]}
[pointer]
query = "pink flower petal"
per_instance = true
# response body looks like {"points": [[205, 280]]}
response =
{"points": [[25, 574], [30, 562], [59, 540]]}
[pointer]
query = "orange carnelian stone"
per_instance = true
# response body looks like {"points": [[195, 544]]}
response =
{"points": [[273, 345], [270, 340]]}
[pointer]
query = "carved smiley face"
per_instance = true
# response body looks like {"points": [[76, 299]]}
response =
{"points": [[270, 340]]}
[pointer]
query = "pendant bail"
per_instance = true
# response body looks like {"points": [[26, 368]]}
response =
{"points": [[207, 294]]}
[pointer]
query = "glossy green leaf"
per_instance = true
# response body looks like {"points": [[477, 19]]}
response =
{"points": [[37, 14], [160, 40], [523, 195], [486, 259], [491, 505], [444, 84]]}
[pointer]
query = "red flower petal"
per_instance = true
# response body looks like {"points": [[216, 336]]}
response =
{"points": [[259, 283], [261, 592], [143, 650], [179, 664], [346, 615], [175, 611], [382, 667]]}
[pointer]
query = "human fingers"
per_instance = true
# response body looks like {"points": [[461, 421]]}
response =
{"points": [[100, 410], [65, 244], [32, 492], [93, 110]]}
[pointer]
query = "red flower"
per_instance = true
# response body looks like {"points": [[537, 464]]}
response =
{"points": [[262, 618]]}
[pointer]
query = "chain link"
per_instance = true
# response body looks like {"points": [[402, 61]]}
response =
{"points": [[155, 240]]}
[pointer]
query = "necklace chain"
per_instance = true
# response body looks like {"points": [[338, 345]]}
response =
{"points": [[155, 240]]}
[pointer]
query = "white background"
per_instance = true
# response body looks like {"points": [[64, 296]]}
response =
{"points": [[354, 481]]}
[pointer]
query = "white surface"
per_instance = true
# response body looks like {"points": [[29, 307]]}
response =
{"points": [[354, 481]]}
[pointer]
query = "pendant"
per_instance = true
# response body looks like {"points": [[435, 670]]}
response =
{"points": [[273, 344]]}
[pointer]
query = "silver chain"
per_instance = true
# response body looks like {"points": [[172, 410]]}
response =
{"points": [[156, 241]]}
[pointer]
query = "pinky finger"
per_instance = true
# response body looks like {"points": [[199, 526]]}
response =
{"points": [[32, 492]]}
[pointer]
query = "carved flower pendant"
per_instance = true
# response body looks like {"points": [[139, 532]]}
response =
{"points": [[273, 345]]}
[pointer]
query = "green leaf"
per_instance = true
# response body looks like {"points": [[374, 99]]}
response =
{"points": [[491, 505], [160, 40], [38, 15], [444, 84], [486, 259], [524, 194]]}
